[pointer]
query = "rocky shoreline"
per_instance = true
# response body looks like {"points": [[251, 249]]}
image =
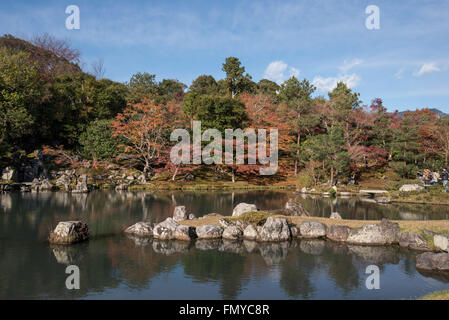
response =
{"points": [[274, 229]]}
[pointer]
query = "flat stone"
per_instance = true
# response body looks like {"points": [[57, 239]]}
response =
{"points": [[375, 234], [209, 232], [312, 229], [411, 187]]}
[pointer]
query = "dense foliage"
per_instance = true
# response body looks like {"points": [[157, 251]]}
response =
{"points": [[47, 99]]}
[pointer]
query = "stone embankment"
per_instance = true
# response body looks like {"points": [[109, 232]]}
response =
{"points": [[266, 228]]}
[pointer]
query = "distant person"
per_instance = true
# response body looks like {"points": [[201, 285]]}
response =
{"points": [[445, 178], [435, 178], [427, 177]]}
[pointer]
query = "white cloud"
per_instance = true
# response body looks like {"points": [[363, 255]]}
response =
{"points": [[275, 71], [294, 72], [426, 68], [349, 64], [398, 74], [328, 84]]}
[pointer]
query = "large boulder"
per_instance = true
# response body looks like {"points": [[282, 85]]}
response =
{"points": [[209, 232], [242, 208], [441, 241], [295, 232], [180, 213], [232, 233], [67, 232], [413, 241], [185, 233], [169, 229], [141, 229], [375, 234], [312, 229], [410, 187], [433, 261], [275, 229], [250, 233], [294, 208], [338, 233]]}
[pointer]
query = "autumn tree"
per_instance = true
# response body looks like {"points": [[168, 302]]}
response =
{"points": [[146, 128]]}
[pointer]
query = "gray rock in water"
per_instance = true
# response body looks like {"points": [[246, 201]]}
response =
{"points": [[294, 208], [433, 261], [411, 187], [312, 229], [250, 233], [338, 233], [375, 234], [185, 233], [242, 208], [142, 229], [335, 215], [68, 232], [209, 232], [165, 229], [169, 229], [275, 229], [232, 233], [413, 241], [180, 214], [441, 241], [295, 232]]}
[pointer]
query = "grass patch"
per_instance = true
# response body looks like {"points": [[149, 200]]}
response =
{"points": [[254, 217], [439, 295]]}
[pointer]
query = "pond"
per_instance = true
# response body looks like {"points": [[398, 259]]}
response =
{"points": [[115, 266]]}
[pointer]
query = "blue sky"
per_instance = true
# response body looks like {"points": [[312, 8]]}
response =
{"points": [[405, 62]]}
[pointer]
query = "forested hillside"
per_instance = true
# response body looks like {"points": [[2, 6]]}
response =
{"points": [[47, 101]]}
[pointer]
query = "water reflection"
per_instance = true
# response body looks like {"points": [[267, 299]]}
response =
{"points": [[114, 265]]}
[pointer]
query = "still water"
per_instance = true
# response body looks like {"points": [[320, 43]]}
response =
{"points": [[115, 266]]}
